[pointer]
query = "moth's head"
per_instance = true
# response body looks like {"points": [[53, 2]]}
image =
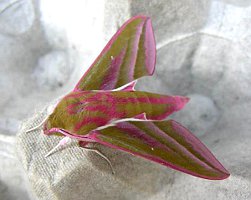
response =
{"points": [[52, 121], [47, 127], [52, 125], [58, 118]]}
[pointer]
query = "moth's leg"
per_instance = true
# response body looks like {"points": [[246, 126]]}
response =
{"points": [[83, 145], [68, 134], [67, 139], [61, 143], [55, 130]]}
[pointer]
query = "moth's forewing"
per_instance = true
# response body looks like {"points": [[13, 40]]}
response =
{"points": [[164, 142], [129, 55]]}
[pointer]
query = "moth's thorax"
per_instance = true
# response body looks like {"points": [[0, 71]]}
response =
{"points": [[62, 115]]}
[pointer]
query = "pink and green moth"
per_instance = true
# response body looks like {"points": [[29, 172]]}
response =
{"points": [[104, 108]]}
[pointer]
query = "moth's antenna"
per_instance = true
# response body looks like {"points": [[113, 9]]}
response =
{"points": [[62, 142], [49, 110], [102, 155], [38, 126]]}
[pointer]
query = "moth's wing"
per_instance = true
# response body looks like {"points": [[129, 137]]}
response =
{"points": [[164, 142], [129, 55]]}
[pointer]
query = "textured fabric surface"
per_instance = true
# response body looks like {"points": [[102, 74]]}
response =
{"points": [[76, 173]]}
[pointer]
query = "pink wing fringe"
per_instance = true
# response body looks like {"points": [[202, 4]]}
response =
{"points": [[149, 45]]}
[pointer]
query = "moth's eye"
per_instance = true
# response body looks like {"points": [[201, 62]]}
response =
{"points": [[47, 127], [50, 109]]}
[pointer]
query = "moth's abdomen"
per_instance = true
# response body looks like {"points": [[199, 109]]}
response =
{"points": [[155, 106]]}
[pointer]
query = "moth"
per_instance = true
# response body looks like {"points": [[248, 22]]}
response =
{"points": [[104, 108]]}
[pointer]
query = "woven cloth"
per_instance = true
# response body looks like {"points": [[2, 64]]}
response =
{"points": [[76, 173]]}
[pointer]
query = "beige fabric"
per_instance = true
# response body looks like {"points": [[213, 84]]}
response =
{"points": [[73, 173]]}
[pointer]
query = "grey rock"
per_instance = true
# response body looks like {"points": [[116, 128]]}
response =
{"points": [[52, 70], [209, 63], [234, 87], [174, 62], [200, 115], [80, 27], [53, 25], [241, 3], [153, 84], [12, 183], [116, 13], [222, 24], [170, 19], [9, 124], [21, 44], [16, 17]]}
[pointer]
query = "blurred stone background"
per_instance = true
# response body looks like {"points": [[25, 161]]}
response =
{"points": [[204, 51]]}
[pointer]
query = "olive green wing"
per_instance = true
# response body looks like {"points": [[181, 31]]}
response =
{"points": [[129, 55], [164, 142]]}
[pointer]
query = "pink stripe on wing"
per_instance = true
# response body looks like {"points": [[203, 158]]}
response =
{"points": [[99, 121], [111, 77], [171, 140], [95, 137], [134, 51], [136, 132], [198, 146], [106, 49], [150, 50], [110, 111]]}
